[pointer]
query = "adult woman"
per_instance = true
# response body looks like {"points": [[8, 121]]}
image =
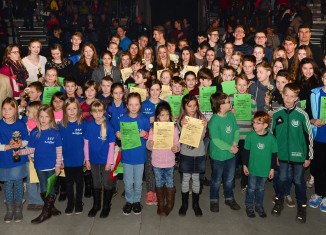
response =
{"points": [[134, 50], [63, 65], [84, 68], [34, 62], [163, 59], [278, 64], [209, 57], [187, 57], [106, 69], [14, 69], [303, 51]]}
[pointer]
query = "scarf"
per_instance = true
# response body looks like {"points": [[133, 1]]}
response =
{"points": [[19, 73]]}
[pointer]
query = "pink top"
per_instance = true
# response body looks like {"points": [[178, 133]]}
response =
{"points": [[31, 124], [58, 116], [164, 158]]}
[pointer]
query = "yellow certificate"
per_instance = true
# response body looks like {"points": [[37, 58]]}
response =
{"points": [[191, 68], [158, 73], [125, 73], [191, 132], [32, 173], [163, 135], [141, 92], [166, 91], [62, 173]]}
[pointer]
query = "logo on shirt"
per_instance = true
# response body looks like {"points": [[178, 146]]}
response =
{"points": [[261, 146], [295, 123], [77, 131], [50, 140], [279, 120], [228, 129], [147, 110]]}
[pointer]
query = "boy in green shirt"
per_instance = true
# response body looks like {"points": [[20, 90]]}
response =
{"points": [[259, 161]]}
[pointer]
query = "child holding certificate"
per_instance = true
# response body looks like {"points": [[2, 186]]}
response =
{"points": [[154, 88], [99, 157], [133, 152], [192, 159], [163, 161], [318, 164], [224, 136]]}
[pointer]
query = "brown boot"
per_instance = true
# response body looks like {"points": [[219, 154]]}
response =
{"points": [[46, 212], [54, 211], [170, 195], [160, 201]]}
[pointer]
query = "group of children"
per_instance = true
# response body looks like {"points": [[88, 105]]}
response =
{"points": [[72, 132]]}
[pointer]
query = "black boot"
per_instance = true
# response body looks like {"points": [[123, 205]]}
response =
{"points": [[107, 197], [88, 184], [301, 213], [184, 207], [46, 212], [278, 207], [63, 191], [96, 203], [195, 204], [54, 211]]}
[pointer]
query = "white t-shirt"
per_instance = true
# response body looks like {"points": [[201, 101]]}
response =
{"points": [[33, 70]]}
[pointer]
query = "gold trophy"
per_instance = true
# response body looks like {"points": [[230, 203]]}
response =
{"points": [[16, 138], [271, 97]]}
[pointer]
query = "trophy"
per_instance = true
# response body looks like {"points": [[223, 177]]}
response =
{"points": [[271, 97], [16, 138], [39, 75]]}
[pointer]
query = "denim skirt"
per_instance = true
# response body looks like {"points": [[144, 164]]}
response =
{"points": [[15, 173], [192, 164]]}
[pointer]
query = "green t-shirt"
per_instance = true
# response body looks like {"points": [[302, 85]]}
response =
{"points": [[223, 132], [261, 149]]}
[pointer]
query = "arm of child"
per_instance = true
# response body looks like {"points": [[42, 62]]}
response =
{"points": [[26, 151], [274, 166], [176, 143], [86, 155], [150, 142], [221, 144], [58, 160], [110, 159], [245, 161]]}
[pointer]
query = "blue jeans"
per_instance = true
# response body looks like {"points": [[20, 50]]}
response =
{"points": [[43, 178], [222, 171], [33, 191], [132, 178], [255, 190], [277, 184], [297, 174], [164, 176]]}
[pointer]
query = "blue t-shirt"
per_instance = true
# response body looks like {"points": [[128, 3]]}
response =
{"points": [[6, 131], [148, 108], [125, 43], [98, 148], [73, 143], [45, 148], [136, 155], [321, 131], [115, 113]]}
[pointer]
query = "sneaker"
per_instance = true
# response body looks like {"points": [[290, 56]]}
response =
{"points": [[79, 209], [136, 208], [232, 204], [127, 208], [310, 182], [214, 207], [149, 198], [323, 205], [278, 207], [315, 201], [289, 202], [261, 212], [250, 211], [301, 214], [154, 199], [69, 210]]}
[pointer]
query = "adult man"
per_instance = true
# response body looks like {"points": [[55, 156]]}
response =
{"points": [[124, 40], [260, 39], [239, 44], [304, 35], [213, 37], [290, 43], [158, 35], [142, 42]]}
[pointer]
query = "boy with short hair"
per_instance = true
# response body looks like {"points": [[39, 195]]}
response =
{"points": [[248, 66], [177, 85], [73, 53], [292, 129], [70, 87], [259, 161], [136, 64], [105, 93], [35, 91]]}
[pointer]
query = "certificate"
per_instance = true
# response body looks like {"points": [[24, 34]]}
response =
{"points": [[140, 91], [191, 68], [229, 87], [32, 173], [163, 135], [175, 103], [158, 73], [125, 73], [322, 112], [242, 106], [48, 93], [205, 98], [61, 81], [129, 135], [192, 132], [303, 104], [166, 91]]}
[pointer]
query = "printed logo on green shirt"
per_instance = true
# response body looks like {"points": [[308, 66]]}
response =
{"points": [[261, 146], [228, 129], [295, 123]]}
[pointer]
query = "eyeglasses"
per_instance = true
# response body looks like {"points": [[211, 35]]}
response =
{"points": [[15, 52]]}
